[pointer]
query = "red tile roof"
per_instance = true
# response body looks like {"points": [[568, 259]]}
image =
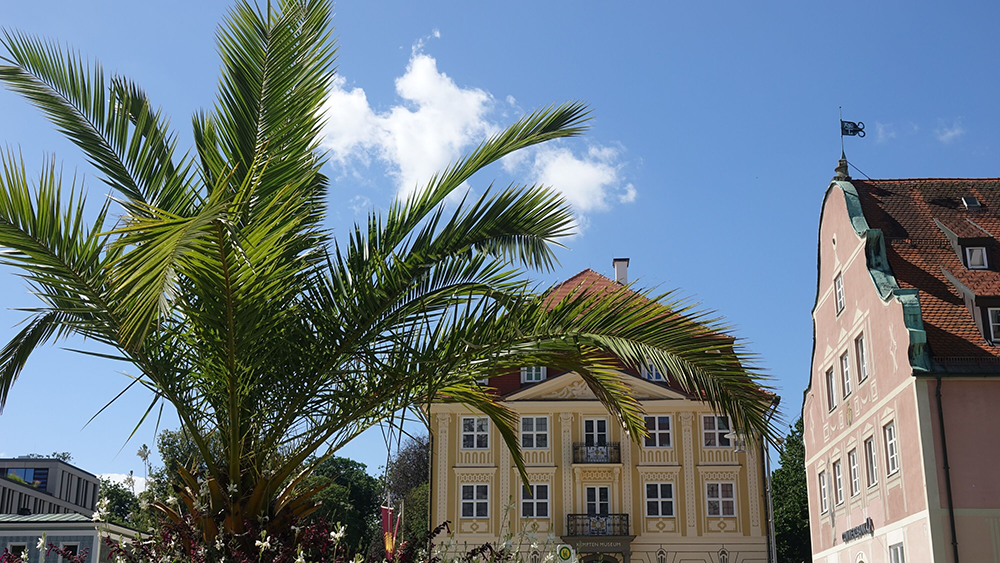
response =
{"points": [[919, 252]]}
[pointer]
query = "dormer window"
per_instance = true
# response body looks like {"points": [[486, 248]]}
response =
{"points": [[994, 325], [975, 257], [533, 374]]}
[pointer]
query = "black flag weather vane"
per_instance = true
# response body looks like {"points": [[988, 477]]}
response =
{"points": [[850, 128]]}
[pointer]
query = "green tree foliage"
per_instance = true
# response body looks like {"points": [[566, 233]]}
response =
{"points": [[407, 482], [351, 497], [119, 503], [791, 501], [416, 503], [64, 456], [216, 280]]}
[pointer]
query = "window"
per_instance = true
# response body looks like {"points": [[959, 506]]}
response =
{"points": [[838, 287], [475, 501], [995, 325], [475, 433], [859, 351], [845, 373], [659, 500], [595, 431], [658, 428], [896, 553], [831, 390], [975, 257], [598, 500], [838, 482], [535, 432], [533, 374], [823, 503], [650, 371], [871, 462], [535, 501], [71, 548], [715, 430], [852, 460], [17, 550], [721, 499], [891, 451]]}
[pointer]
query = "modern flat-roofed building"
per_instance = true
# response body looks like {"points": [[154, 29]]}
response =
{"points": [[688, 492], [905, 376], [46, 486]]}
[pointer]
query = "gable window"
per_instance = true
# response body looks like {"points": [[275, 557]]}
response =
{"points": [[891, 451], [994, 325], [838, 482], [838, 287], [845, 373], [896, 553], [859, 352], [475, 433], [721, 499], [650, 371], [852, 460], [535, 432], [533, 374], [475, 501], [871, 462], [715, 429], [831, 392], [658, 430], [823, 502], [535, 501], [975, 257], [659, 500]]}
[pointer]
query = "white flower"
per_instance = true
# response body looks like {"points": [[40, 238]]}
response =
{"points": [[143, 503], [534, 545], [171, 499], [24, 555], [96, 517], [232, 488], [549, 558], [301, 558], [339, 533], [218, 543], [41, 543], [263, 545]]}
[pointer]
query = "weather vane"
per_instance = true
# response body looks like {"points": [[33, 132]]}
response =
{"points": [[849, 128]]}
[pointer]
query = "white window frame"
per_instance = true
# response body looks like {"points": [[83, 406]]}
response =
{"points": [[534, 433], [845, 373], [657, 432], [862, 355], [715, 432], [838, 483], [534, 501], [650, 372], [831, 390], [534, 374], [871, 462], [597, 432], [896, 554], [891, 448], [660, 501], [852, 460], [838, 290], [23, 545], [968, 258], [994, 324], [824, 502], [475, 433], [721, 499], [597, 502], [475, 502], [65, 545]]}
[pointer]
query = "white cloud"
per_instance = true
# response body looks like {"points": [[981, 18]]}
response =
{"points": [[947, 134], [140, 482], [438, 121], [360, 204], [884, 132]]}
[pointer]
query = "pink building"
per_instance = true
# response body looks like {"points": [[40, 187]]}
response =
{"points": [[901, 426]]}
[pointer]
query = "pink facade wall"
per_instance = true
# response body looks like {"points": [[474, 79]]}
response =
{"points": [[897, 503]]}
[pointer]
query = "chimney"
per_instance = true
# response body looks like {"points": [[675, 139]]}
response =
{"points": [[621, 270]]}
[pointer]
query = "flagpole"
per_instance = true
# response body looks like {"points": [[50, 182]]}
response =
{"points": [[842, 153]]}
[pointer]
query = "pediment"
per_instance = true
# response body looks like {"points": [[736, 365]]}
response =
{"points": [[571, 387]]}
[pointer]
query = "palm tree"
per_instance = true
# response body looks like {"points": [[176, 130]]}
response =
{"points": [[221, 288]]}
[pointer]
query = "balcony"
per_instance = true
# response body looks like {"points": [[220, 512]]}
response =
{"points": [[597, 524], [608, 453]]}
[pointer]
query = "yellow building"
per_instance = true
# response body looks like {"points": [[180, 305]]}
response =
{"points": [[687, 493]]}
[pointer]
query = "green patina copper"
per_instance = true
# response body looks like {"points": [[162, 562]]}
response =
{"points": [[885, 282]]}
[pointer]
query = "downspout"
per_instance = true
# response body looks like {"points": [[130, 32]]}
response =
{"points": [[947, 471]]}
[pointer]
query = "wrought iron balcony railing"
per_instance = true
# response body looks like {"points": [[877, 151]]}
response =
{"points": [[597, 524], [607, 453]]}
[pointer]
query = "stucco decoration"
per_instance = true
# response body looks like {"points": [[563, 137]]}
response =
{"points": [[660, 474], [566, 426], [442, 473], [575, 390], [690, 506]]}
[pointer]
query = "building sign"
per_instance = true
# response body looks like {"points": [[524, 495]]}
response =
{"points": [[868, 528]]}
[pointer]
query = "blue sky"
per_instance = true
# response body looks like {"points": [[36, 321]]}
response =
{"points": [[714, 136]]}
